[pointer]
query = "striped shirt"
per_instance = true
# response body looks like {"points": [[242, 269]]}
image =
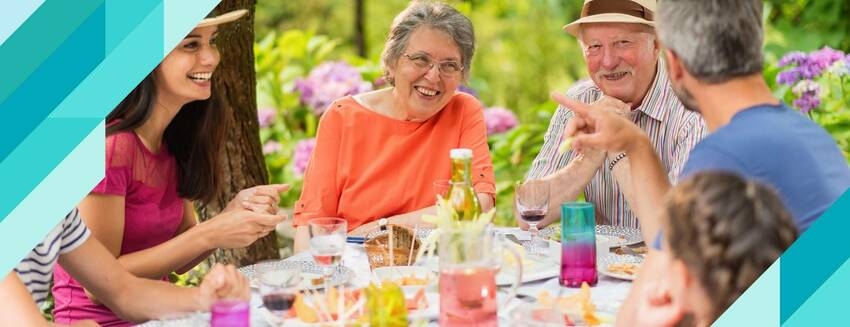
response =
{"points": [[36, 269], [671, 128]]}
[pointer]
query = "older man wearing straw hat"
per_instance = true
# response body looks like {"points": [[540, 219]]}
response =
{"points": [[622, 55]]}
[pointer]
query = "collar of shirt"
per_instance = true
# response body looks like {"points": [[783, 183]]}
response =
{"points": [[655, 99]]}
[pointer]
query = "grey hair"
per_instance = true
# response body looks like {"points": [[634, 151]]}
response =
{"points": [[436, 15], [717, 40]]}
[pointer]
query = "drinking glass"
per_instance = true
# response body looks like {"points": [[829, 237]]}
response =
{"points": [[532, 202], [327, 243], [469, 262], [230, 313], [578, 241], [277, 282], [441, 188]]}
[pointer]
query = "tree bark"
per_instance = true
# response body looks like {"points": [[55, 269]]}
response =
{"points": [[243, 163], [360, 29]]}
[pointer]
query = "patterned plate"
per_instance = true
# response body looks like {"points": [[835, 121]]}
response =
{"points": [[309, 272], [632, 261], [618, 234]]}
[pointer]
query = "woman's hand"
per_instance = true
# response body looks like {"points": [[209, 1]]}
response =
{"points": [[223, 282], [260, 198], [238, 228]]}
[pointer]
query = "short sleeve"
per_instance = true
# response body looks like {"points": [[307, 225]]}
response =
{"points": [[74, 232], [474, 136], [320, 194], [120, 152]]}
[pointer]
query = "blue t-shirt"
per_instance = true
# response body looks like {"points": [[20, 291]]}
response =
{"points": [[779, 147]]}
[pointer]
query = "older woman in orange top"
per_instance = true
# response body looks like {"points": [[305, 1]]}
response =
{"points": [[378, 154]]}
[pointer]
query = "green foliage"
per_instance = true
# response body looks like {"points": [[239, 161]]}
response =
{"points": [[512, 154], [522, 54]]}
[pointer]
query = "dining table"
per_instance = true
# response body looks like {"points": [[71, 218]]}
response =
{"points": [[608, 293]]}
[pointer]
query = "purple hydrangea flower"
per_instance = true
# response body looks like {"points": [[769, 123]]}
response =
{"points": [[266, 116], [802, 66], [808, 93], [271, 146], [303, 151], [499, 120], [468, 90], [328, 82]]}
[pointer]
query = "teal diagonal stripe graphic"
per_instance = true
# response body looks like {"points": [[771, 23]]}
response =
{"points": [[824, 307], [60, 158], [759, 305], [815, 256], [45, 87], [37, 38]]}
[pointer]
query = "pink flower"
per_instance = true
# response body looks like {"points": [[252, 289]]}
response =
{"points": [[303, 152], [272, 147], [266, 116], [328, 82], [499, 120]]}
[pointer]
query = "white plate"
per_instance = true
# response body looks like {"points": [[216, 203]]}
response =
{"points": [[618, 235], [613, 258], [309, 271]]}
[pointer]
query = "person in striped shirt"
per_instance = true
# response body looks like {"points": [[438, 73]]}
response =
{"points": [[621, 52], [133, 298]]}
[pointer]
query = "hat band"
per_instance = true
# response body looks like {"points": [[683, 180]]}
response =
{"points": [[626, 7]]}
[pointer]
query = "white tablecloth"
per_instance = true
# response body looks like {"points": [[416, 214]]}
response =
{"points": [[608, 291]]}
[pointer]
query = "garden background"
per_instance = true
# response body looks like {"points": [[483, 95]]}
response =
{"points": [[309, 53]]}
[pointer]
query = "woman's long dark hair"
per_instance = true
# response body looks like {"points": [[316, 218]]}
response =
{"points": [[194, 137]]}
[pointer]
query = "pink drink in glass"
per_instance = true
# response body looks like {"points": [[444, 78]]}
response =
{"points": [[578, 264], [468, 296]]}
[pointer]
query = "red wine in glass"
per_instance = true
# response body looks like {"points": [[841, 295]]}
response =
{"points": [[278, 301], [532, 215]]}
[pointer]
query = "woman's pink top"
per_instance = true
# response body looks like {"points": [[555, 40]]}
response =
{"points": [[152, 214]]}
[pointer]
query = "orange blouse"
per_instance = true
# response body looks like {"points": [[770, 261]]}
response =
{"points": [[368, 166]]}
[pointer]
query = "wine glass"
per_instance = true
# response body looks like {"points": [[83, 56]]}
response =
{"points": [[327, 243], [532, 202], [278, 284]]}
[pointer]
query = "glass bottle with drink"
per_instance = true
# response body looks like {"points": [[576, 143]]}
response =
{"points": [[461, 195], [578, 241]]}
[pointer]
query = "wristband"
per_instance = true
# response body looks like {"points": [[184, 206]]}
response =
{"points": [[616, 160]]}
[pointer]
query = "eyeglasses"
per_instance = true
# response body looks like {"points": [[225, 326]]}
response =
{"points": [[424, 62]]}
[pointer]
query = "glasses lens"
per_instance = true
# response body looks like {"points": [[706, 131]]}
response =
{"points": [[449, 67]]}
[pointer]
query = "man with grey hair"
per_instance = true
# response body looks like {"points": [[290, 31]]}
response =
{"points": [[620, 49], [714, 61]]}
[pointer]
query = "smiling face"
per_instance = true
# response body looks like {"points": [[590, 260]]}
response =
{"points": [[184, 75], [621, 59], [424, 83]]}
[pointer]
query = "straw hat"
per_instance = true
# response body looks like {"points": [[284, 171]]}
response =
{"points": [[614, 11], [223, 18]]}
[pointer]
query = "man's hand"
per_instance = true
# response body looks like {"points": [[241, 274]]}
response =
{"points": [[598, 126], [260, 198], [223, 282]]}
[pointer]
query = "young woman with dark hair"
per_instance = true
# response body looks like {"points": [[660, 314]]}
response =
{"points": [[163, 151]]}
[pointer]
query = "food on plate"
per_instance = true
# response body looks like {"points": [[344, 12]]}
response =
{"points": [[636, 250], [318, 307], [624, 268], [410, 280], [576, 309], [385, 305]]}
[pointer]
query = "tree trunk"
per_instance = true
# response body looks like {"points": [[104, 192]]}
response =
{"points": [[243, 163], [360, 29]]}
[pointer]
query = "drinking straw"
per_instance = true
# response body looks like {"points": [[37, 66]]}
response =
{"points": [[392, 257], [412, 243]]}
